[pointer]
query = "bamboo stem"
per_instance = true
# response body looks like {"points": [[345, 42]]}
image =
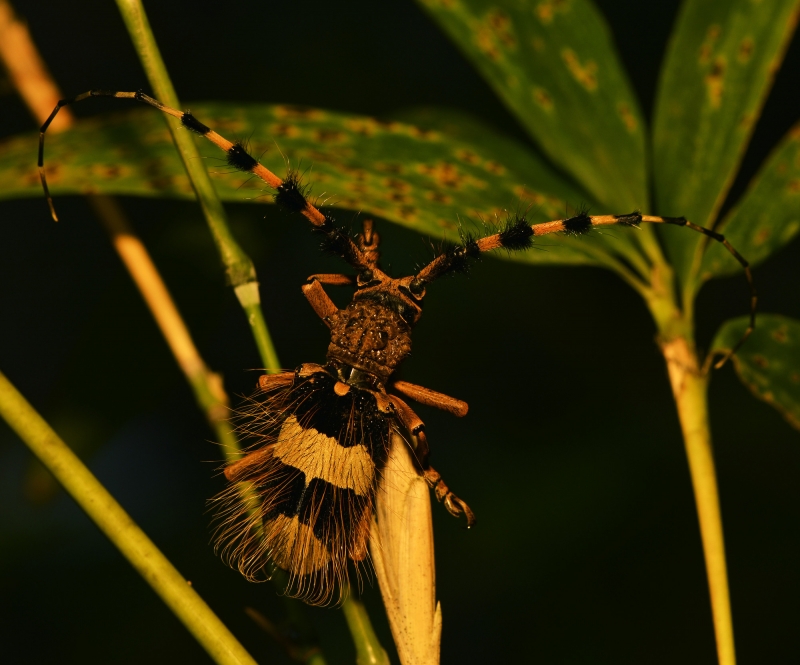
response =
{"points": [[206, 384], [120, 529], [239, 268], [689, 387]]}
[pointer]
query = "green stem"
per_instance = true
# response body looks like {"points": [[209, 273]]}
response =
{"points": [[239, 268], [120, 529], [690, 386], [690, 390], [250, 301], [368, 649]]}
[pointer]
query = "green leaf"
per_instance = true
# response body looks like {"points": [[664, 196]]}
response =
{"points": [[552, 62], [718, 70], [424, 179], [769, 362], [767, 217]]}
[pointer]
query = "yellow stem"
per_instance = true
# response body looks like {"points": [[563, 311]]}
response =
{"points": [[689, 387]]}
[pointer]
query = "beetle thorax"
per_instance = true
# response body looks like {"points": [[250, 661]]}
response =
{"points": [[371, 336]]}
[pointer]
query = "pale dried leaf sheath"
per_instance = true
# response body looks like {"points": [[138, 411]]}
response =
{"points": [[402, 552]]}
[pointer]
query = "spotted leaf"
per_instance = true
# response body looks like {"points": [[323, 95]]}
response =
{"points": [[769, 362], [553, 64], [425, 179], [767, 217], [718, 70]]}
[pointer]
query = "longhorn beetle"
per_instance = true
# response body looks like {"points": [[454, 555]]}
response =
{"points": [[323, 431]]}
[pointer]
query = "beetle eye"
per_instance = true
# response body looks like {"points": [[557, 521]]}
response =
{"points": [[417, 287], [366, 276]]}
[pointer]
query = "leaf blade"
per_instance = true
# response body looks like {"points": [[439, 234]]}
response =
{"points": [[769, 362], [423, 179], [768, 215], [554, 66], [717, 73]]}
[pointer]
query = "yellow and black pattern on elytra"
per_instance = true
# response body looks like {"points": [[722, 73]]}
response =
{"points": [[313, 473]]}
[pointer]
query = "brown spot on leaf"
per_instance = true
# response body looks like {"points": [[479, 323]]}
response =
{"points": [[161, 183], [397, 197], [627, 117], [495, 33], [390, 125], [495, 168], [484, 40], [397, 185], [747, 120], [794, 186], [714, 82], [547, 10], [299, 112], [760, 360], [448, 175], [423, 134], [408, 213], [543, 99], [746, 48], [501, 26], [761, 236], [328, 156], [358, 187], [522, 192], [356, 174], [586, 74], [53, 171], [794, 377], [781, 335], [111, 171], [283, 129], [31, 178], [328, 135], [389, 167], [467, 156], [707, 47], [362, 126], [438, 197]]}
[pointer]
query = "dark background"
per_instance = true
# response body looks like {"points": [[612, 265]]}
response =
{"points": [[587, 548]]}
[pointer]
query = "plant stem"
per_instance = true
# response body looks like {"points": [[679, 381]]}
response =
{"points": [[689, 387], [206, 385], [239, 268], [120, 529], [368, 649]]}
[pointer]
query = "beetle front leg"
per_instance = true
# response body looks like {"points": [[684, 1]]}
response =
{"points": [[414, 425]]}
